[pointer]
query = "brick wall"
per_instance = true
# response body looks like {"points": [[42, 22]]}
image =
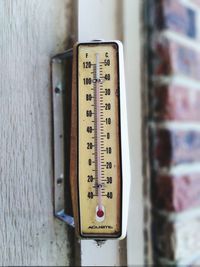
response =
{"points": [[174, 130]]}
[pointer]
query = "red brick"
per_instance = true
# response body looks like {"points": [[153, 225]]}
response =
{"points": [[173, 15], [173, 58], [173, 147], [177, 193], [177, 103]]}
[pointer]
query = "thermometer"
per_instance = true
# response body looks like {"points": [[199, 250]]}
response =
{"points": [[99, 161]]}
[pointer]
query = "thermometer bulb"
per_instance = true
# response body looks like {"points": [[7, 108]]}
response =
{"points": [[100, 213]]}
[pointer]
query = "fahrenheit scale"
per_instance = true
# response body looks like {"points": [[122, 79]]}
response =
{"points": [[99, 149], [101, 141]]}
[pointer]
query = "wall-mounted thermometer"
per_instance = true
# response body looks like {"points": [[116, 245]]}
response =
{"points": [[99, 150], [100, 139]]}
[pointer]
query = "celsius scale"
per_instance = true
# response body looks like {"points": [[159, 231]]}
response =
{"points": [[92, 141]]}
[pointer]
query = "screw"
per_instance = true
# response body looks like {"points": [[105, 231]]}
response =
{"points": [[57, 90], [59, 181]]}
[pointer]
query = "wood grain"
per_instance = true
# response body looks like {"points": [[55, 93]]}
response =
{"points": [[31, 32]]}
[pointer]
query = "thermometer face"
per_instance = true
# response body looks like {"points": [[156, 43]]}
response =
{"points": [[98, 140]]}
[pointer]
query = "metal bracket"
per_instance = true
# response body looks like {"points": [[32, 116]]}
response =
{"points": [[61, 97]]}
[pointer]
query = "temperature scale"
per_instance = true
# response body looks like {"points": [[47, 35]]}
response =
{"points": [[99, 170]]}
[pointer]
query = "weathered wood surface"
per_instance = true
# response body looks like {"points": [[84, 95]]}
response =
{"points": [[31, 32]]}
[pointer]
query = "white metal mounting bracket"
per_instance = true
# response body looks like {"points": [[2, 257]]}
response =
{"points": [[61, 65]]}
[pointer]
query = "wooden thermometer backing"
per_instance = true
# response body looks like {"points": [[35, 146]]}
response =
{"points": [[97, 141]]}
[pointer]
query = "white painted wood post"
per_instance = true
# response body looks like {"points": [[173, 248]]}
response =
{"points": [[111, 19], [98, 20]]}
